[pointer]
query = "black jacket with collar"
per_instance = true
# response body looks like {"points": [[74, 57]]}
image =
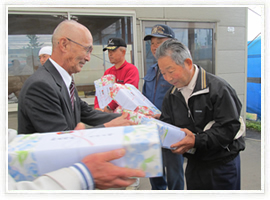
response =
{"points": [[212, 99], [44, 105]]}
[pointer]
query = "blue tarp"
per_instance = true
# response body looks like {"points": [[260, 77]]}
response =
{"points": [[254, 77]]}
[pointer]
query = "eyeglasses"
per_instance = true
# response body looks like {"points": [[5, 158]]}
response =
{"points": [[87, 49]]}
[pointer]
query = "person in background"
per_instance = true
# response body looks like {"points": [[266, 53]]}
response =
{"points": [[48, 100], [44, 54], [155, 88], [15, 69], [198, 99], [123, 71], [94, 171]]}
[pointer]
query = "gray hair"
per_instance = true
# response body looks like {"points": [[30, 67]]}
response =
{"points": [[175, 49], [122, 48]]}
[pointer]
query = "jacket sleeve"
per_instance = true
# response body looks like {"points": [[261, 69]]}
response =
{"points": [[166, 112], [62, 179], [43, 108], [76, 177], [94, 117], [226, 113]]}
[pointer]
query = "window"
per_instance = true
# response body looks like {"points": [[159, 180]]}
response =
{"points": [[27, 33], [198, 37]]}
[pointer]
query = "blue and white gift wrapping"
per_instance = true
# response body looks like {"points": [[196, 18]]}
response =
{"points": [[168, 133], [30, 156]]}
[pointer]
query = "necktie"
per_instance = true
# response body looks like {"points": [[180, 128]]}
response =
{"points": [[71, 90]]}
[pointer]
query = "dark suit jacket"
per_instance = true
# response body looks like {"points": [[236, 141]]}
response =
{"points": [[45, 106]]}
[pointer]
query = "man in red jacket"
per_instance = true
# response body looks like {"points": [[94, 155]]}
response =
{"points": [[123, 71]]}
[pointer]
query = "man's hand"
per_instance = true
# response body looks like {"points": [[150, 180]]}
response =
{"points": [[186, 144], [105, 174], [107, 110], [156, 116], [80, 126], [99, 109], [120, 121]]}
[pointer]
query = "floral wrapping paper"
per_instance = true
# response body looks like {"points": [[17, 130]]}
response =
{"points": [[102, 87], [168, 133], [30, 156], [144, 105], [140, 109], [105, 80]]}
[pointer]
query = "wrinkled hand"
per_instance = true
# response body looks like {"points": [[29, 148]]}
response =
{"points": [[156, 116], [105, 174], [107, 110], [186, 144], [99, 109], [120, 121], [80, 126]]}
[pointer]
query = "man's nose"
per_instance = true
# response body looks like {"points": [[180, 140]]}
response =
{"points": [[88, 56]]}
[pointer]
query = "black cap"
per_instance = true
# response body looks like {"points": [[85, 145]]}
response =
{"points": [[114, 43], [161, 31]]}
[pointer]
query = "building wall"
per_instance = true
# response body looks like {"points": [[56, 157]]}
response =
{"points": [[231, 35], [231, 38]]}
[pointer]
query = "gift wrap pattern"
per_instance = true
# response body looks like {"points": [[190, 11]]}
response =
{"points": [[30, 156], [102, 87], [168, 133], [130, 98]]}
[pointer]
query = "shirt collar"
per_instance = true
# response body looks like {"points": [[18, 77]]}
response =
{"points": [[124, 63], [64, 74], [192, 83]]}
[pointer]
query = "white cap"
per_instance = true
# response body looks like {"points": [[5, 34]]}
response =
{"points": [[45, 50]]}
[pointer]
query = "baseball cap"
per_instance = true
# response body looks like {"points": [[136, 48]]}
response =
{"points": [[114, 43], [161, 31], [45, 50]]}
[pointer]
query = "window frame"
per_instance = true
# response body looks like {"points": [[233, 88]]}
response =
{"points": [[69, 12], [179, 24]]}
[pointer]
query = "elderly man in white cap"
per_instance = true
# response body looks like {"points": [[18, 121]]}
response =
{"points": [[44, 54]]}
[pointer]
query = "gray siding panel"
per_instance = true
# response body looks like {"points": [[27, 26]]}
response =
{"points": [[230, 62], [227, 16], [227, 40], [236, 80]]}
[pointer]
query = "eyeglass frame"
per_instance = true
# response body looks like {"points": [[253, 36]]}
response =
{"points": [[88, 49]]}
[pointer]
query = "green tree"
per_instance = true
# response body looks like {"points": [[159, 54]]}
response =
{"points": [[33, 43]]}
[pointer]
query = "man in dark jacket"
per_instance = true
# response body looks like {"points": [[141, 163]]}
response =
{"points": [[47, 102], [155, 88], [198, 99]]}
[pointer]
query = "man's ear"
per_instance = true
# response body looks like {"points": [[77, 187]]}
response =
{"points": [[63, 44], [124, 51], [188, 63]]}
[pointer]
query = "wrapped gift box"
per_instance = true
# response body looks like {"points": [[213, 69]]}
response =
{"points": [[30, 156], [102, 87], [130, 98], [168, 133]]}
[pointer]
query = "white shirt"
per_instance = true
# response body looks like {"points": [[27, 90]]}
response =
{"points": [[187, 90], [64, 74]]}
